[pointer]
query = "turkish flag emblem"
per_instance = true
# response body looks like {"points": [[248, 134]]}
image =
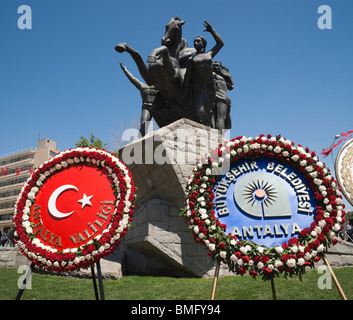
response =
{"points": [[73, 206]]}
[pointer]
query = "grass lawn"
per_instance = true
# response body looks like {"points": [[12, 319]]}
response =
{"points": [[48, 287]]}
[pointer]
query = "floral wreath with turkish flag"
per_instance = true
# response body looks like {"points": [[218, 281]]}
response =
{"points": [[74, 209]]}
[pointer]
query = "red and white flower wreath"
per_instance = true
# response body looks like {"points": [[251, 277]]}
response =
{"points": [[100, 246], [243, 256]]}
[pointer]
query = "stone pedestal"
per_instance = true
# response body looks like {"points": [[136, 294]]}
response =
{"points": [[159, 241]]}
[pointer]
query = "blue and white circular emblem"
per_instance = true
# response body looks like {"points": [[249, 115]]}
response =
{"points": [[264, 201]]}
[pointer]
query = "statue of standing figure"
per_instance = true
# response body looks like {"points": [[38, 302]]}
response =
{"points": [[182, 82]]}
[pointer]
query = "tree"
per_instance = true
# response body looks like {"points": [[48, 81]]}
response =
{"points": [[93, 142]]}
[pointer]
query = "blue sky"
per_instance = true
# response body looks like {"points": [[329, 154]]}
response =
{"points": [[62, 79]]}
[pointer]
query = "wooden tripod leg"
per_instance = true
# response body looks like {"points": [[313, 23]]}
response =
{"points": [[338, 286], [100, 280], [94, 282], [273, 289], [215, 280]]}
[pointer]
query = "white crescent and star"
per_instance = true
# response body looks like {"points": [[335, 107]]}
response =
{"points": [[55, 195]]}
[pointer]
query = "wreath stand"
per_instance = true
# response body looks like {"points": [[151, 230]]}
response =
{"points": [[337, 284], [97, 294]]}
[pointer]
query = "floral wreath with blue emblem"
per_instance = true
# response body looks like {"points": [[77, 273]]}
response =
{"points": [[245, 256]]}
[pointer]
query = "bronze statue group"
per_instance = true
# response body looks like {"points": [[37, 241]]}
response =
{"points": [[182, 82]]}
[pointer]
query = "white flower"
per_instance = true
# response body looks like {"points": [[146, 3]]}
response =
{"points": [[294, 249], [204, 216], [212, 247], [245, 249], [223, 254], [35, 241], [278, 263], [26, 224], [291, 263], [314, 174], [279, 249], [31, 195], [260, 249], [260, 265], [29, 230], [301, 261], [295, 157], [277, 149], [201, 235], [336, 227], [202, 211], [196, 229], [233, 258], [320, 248], [307, 256], [240, 262]]}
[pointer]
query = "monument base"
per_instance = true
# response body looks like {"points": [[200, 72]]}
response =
{"points": [[159, 241]]}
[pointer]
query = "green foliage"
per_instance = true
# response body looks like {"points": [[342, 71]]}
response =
{"points": [[93, 142]]}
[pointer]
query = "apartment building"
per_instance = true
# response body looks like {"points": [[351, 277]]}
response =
{"points": [[15, 168]]}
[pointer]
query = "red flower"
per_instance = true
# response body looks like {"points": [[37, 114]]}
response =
{"points": [[221, 245], [304, 232], [264, 259], [321, 237], [293, 241], [253, 273], [266, 270], [242, 270]]}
